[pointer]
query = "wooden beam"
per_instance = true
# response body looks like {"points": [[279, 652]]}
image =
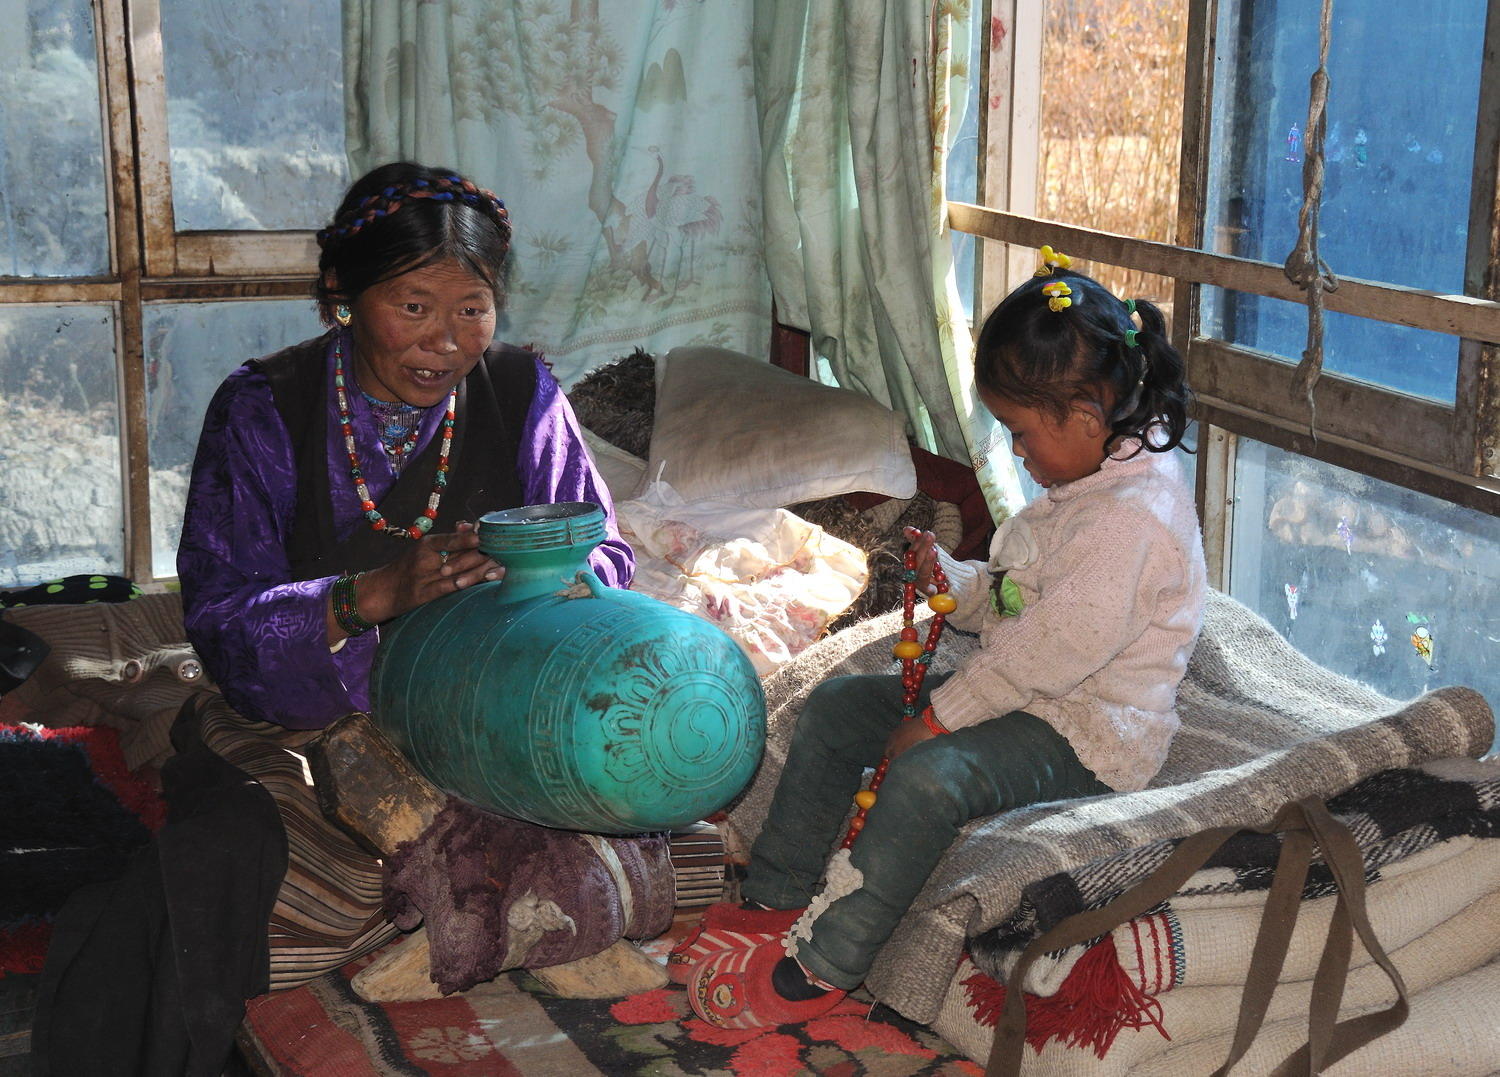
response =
{"points": [[1481, 495], [1460, 315], [125, 221], [190, 289], [80, 290]]}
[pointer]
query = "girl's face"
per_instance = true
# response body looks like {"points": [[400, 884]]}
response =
{"points": [[418, 335], [1053, 452]]}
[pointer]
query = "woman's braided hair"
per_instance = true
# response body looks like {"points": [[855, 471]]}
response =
{"points": [[402, 216]]}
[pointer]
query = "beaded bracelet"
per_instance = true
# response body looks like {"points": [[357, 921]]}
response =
{"points": [[935, 727], [346, 607]]}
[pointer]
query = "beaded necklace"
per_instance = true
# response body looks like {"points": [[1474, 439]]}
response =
{"points": [[423, 523], [400, 424], [915, 658]]}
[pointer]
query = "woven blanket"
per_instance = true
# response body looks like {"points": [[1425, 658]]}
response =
{"points": [[1261, 725], [1395, 816], [1453, 946]]}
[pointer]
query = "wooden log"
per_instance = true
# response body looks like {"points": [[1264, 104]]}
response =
{"points": [[620, 970], [403, 973], [369, 789]]}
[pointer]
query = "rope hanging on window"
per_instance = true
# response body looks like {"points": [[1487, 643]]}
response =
{"points": [[1304, 266]]}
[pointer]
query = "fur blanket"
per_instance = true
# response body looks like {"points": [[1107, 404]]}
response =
{"points": [[1262, 725]]}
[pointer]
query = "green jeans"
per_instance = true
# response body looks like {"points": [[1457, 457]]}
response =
{"points": [[930, 792]]}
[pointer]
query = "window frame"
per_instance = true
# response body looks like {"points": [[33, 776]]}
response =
{"points": [[1449, 452], [150, 260]]}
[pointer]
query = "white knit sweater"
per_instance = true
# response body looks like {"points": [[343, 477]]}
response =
{"points": [[1111, 570]]}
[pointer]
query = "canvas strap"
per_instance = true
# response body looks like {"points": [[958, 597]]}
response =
{"points": [[1302, 825]]}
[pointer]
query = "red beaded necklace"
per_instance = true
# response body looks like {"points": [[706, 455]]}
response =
{"points": [[915, 658], [423, 523]]}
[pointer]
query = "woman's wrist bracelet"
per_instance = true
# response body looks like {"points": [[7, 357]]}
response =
{"points": [[346, 605], [935, 727]]}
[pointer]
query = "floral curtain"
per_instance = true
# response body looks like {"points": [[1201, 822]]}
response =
{"points": [[857, 104], [621, 136]]}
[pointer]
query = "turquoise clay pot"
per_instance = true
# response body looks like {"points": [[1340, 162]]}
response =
{"points": [[549, 697]]}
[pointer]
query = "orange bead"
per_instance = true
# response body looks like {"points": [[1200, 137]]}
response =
{"points": [[865, 799], [942, 602], [856, 825], [907, 649]]}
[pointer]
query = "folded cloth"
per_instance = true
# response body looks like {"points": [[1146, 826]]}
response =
{"points": [[1407, 823], [1451, 1030], [127, 665], [499, 893], [1452, 947]]}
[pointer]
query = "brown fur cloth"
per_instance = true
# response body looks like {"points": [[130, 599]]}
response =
{"points": [[618, 402]]}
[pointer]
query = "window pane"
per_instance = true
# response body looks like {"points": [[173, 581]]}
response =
{"points": [[962, 180], [1112, 123], [1399, 154], [53, 215], [61, 509], [255, 113], [1391, 587], [190, 348]]}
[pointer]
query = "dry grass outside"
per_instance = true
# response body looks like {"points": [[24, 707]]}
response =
{"points": [[1112, 124]]}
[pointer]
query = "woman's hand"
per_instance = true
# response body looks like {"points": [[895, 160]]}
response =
{"points": [[434, 566], [924, 543]]}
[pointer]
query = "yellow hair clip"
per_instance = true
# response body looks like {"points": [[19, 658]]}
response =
{"points": [[1057, 294], [1051, 258]]}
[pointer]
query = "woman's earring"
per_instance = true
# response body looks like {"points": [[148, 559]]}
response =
{"points": [[342, 314]]}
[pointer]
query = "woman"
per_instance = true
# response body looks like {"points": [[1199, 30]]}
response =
{"points": [[335, 481], [335, 487]]}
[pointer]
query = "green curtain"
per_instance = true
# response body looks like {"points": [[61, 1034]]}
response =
{"points": [[857, 103], [621, 136]]}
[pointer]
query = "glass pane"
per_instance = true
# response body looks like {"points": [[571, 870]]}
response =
{"points": [[1399, 155], [190, 348], [1112, 123], [61, 507], [962, 180], [255, 113], [1391, 587], [53, 208]]}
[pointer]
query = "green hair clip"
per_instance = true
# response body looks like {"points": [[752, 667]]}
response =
{"points": [[1131, 338]]}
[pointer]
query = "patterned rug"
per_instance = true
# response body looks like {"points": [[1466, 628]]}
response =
{"points": [[513, 1025]]}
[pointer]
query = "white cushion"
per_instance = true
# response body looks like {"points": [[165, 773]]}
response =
{"points": [[732, 428], [623, 473]]}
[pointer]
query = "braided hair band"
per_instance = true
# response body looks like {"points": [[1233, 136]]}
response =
{"points": [[383, 203]]}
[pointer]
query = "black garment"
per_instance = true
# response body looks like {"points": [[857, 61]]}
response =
{"points": [[490, 413], [148, 975]]}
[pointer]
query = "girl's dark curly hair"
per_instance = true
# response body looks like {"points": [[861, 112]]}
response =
{"points": [[1048, 359], [403, 216]]}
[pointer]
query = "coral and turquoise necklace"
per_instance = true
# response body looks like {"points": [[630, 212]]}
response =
{"points": [[423, 523]]}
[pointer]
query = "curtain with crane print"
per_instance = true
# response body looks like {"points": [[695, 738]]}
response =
{"points": [[623, 138]]}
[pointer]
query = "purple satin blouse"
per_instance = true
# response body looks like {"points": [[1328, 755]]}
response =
{"points": [[262, 636]]}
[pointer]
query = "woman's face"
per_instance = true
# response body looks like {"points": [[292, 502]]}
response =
{"points": [[417, 335]]}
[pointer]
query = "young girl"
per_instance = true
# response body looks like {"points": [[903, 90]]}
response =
{"points": [[1087, 612]]}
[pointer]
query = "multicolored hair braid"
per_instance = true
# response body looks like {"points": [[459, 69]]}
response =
{"points": [[402, 216], [442, 187]]}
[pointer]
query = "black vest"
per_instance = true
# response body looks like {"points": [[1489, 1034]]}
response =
{"points": [[489, 416]]}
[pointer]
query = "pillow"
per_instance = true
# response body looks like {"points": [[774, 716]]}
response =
{"points": [[622, 472], [736, 429]]}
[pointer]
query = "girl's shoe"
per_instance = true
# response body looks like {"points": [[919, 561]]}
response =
{"points": [[726, 926], [733, 989]]}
